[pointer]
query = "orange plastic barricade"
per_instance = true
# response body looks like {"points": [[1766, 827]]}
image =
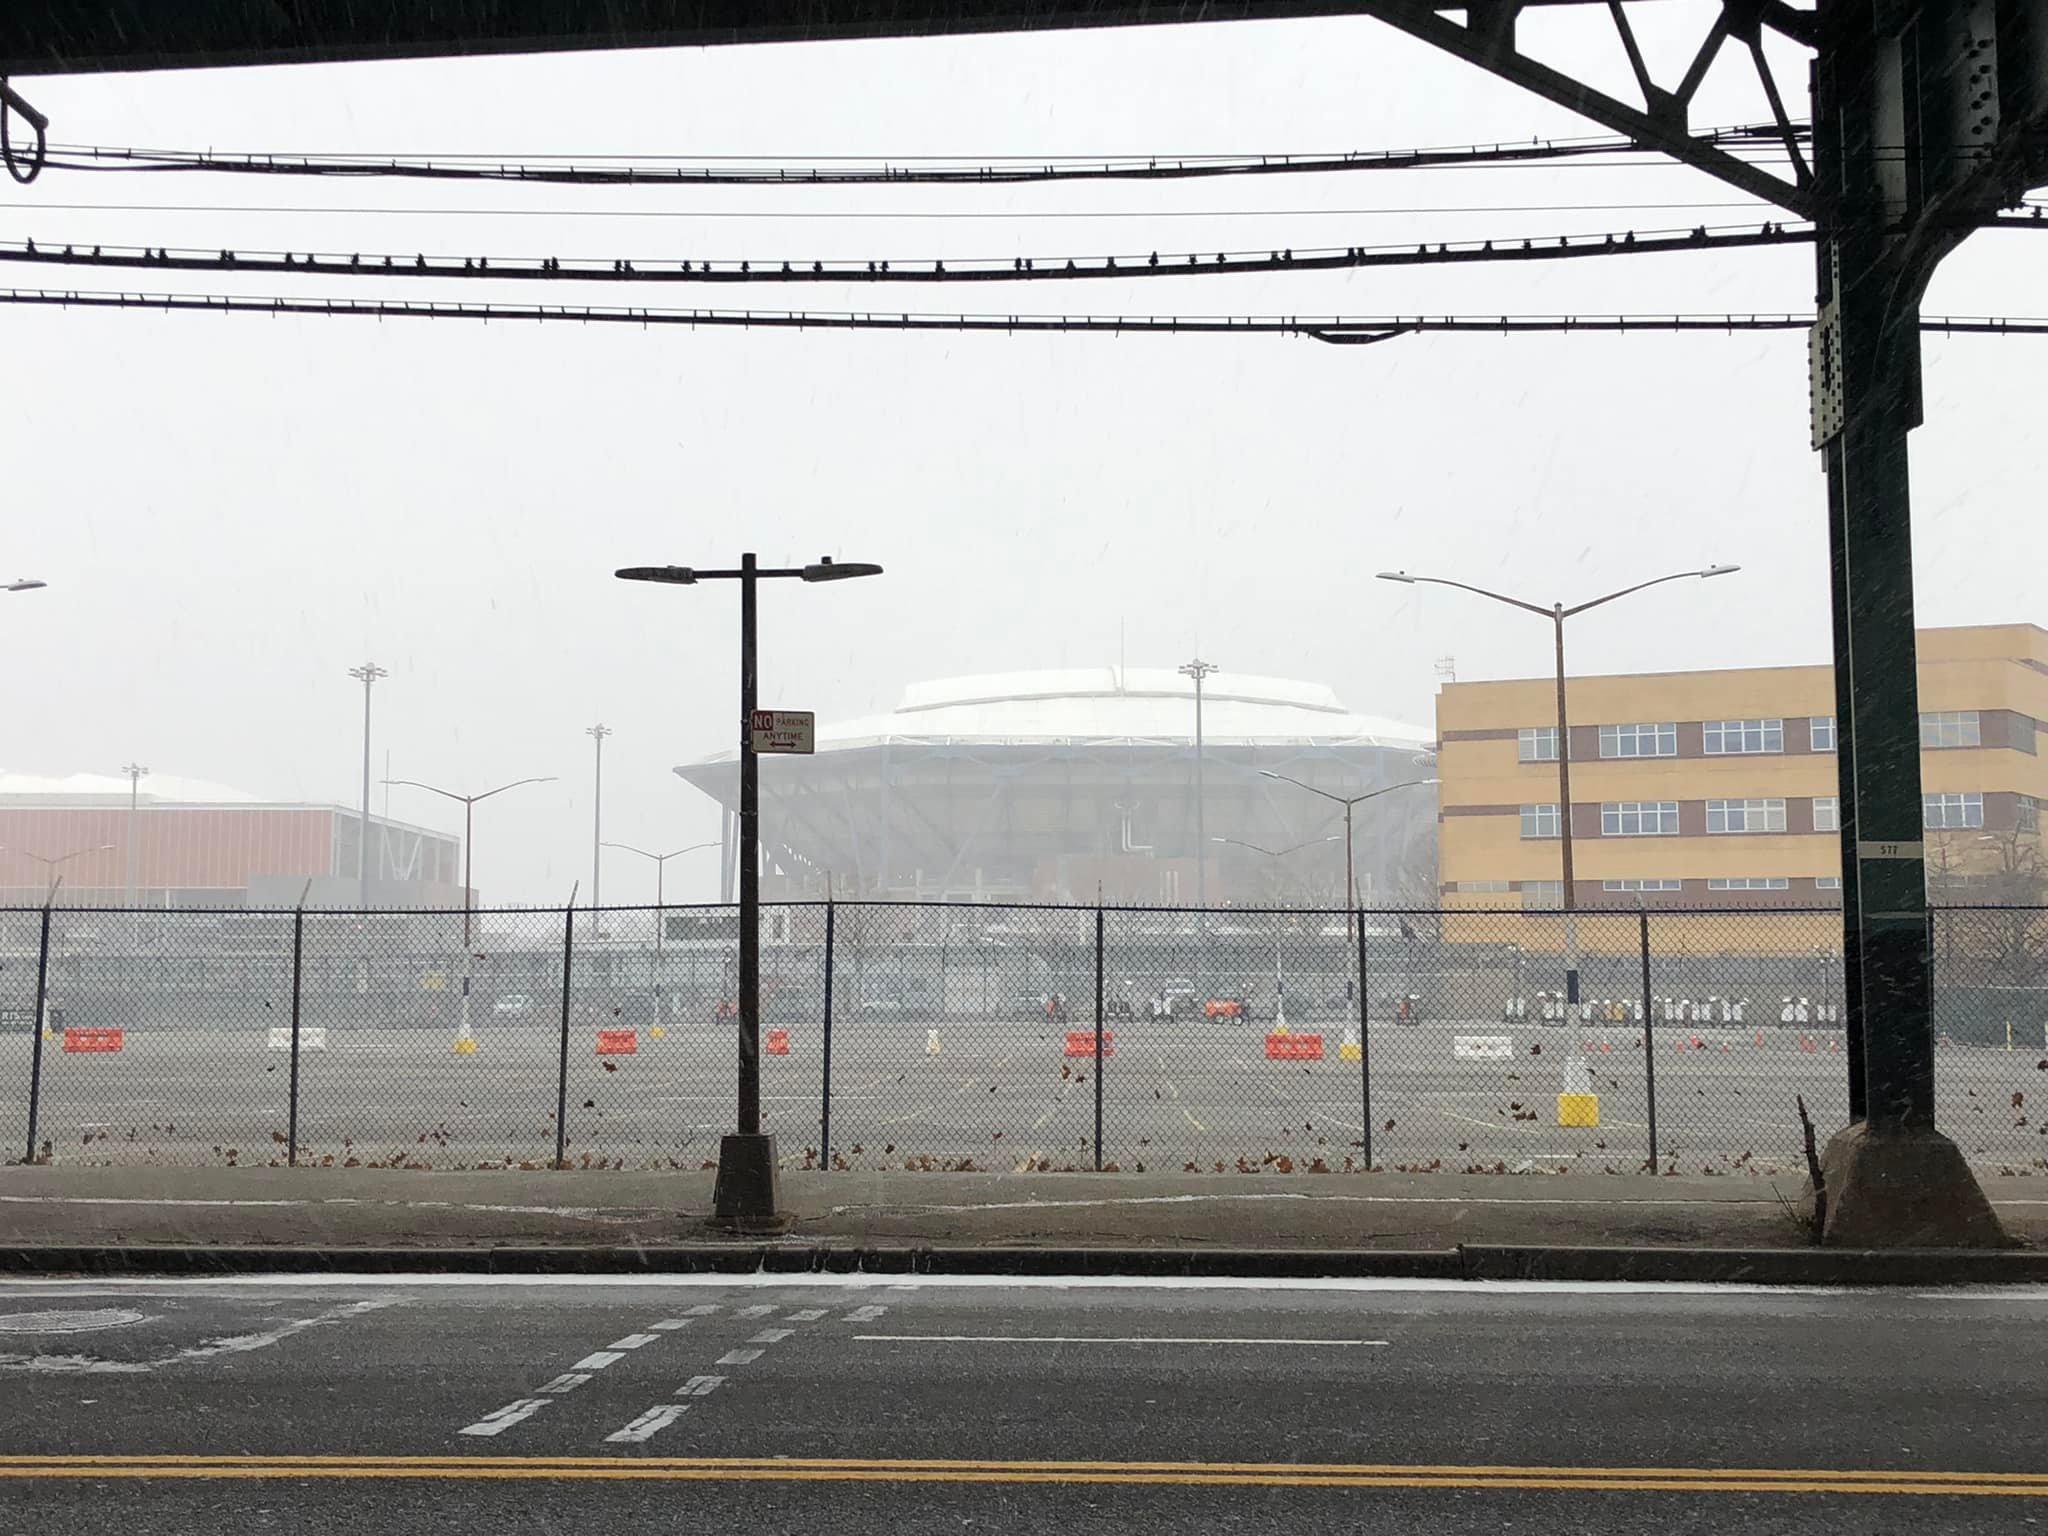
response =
{"points": [[1081, 1042], [617, 1042], [777, 1043], [1294, 1047], [77, 1041]]}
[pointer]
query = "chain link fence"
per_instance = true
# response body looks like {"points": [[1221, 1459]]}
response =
{"points": [[965, 1038]]}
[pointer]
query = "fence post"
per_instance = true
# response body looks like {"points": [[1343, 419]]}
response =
{"points": [[291, 1132], [825, 1091], [1098, 1039], [562, 1066], [1649, 1037], [35, 1069], [1364, 1046]]}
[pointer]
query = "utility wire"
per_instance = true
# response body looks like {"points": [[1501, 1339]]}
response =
{"points": [[895, 172], [984, 269], [996, 215], [1329, 328]]}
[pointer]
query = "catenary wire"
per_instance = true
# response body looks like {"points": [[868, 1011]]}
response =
{"points": [[1330, 328], [895, 270]]}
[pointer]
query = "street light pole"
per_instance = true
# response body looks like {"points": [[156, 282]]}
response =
{"points": [[136, 774], [1557, 613], [24, 584], [660, 874], [1199, 670], [53, 864], [367, 674], [747, 1192], [597, 734], [468, 850], [1347, 801]]}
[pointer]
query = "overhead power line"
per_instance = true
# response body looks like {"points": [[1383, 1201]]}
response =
{"points": [[730, 171], [1352, 329], [930, 270]]}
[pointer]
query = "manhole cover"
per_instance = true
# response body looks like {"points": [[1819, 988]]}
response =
{"points": [[67, 1322]]}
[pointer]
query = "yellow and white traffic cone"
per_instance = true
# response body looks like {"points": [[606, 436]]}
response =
{"points": [[465, 1042], [1350, 1050], [931, 1042]]}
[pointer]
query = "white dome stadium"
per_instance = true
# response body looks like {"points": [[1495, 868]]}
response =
{"points": [[1052, 785]]}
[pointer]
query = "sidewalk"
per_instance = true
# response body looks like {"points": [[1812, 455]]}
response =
{"points": [[327, 1209]]}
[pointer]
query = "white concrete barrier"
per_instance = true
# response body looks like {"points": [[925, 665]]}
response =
{"points": [[1482, 1048], [312, 1037]]}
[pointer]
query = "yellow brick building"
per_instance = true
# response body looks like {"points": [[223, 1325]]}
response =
{"points": [[1718, 789]]}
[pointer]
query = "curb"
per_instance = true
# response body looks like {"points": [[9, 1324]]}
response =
{"points": [[1752, 1266]]}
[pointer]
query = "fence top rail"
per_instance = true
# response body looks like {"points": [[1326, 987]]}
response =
{"points": [[1542, 914]]}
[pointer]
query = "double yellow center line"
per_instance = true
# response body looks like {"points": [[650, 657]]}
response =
{"points": [[1155, 1473]]}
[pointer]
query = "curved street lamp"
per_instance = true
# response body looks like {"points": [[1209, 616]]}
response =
{"points": [[1347, 801], [1557, 613]]}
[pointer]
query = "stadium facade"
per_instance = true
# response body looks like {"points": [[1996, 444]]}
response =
{"points": [[1059, 785], [187, 843]]}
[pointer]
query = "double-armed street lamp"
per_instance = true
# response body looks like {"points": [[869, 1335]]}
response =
{"points": [[747, 1192], [660, 871], [1348, 802], [1557, 613]]}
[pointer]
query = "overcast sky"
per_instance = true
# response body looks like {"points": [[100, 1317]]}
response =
{"points": [[233, 511]]}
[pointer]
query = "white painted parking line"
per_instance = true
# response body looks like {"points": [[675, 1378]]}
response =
{"points": [[755, 1311], [1090, 1338], [740, 1357], [597, 1361], [864, 1314], [670, 1324], [633, 1341], [808, 1315], [648, 1424], [700, 1386], [771, 1335], [504, 1418], [568, 1381]]}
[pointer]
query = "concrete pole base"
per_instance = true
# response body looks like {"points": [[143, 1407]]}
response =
{"points": [[748, 1194], [1903, 1189]]}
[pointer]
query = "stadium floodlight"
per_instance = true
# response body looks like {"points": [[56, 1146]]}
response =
{"points": [[746, 1193], [1557, 613]]}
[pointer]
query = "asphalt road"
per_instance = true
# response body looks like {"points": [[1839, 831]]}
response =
{"points": [[474, 1406], [993, 1096]]}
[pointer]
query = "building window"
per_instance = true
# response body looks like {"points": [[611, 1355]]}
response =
{"points": [[1945, 811], [1480, 887], [1828, 883], [1639, 740], [1642, 885], [1723, 738], [1639, 818], [1536, 744], [1751, 883], [1952, 728], [2026, 814], [1543, 895], [1827, 813], [1821, 728], [1745, 815], [1539, 821]]}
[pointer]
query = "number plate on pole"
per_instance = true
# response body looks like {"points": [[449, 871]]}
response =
{"points": [[785, 730]]}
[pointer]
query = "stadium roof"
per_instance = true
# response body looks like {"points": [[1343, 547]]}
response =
{"points": [[1114, 706], [162, 788]]}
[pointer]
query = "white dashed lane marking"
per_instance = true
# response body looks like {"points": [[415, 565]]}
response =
{"points": [[670, 1324], [740, 1357], [648, 1424], [771, 1335], [864, 1314], [755, 1311], [504, 1418], [568, 1381], [598, 1361], [633, 1341], [702, 1309], [808, 1315], [700, 1386]]}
